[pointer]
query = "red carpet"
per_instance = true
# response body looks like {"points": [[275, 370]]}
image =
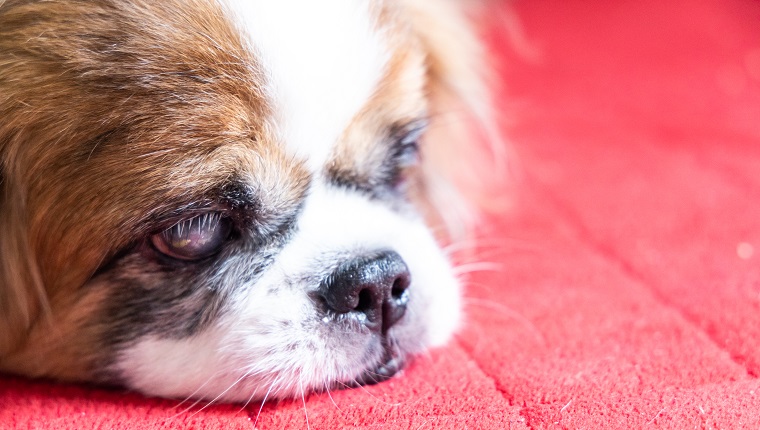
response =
{"points": [[626, 286]]}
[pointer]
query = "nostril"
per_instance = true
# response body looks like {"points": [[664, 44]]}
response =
{"points": [[399, 287], [395, 307], [366, 301]]}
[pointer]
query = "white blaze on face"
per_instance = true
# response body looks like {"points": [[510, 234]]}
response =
{"points": [[323, 60]]}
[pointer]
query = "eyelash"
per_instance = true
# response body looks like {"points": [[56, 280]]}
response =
{"points": [[407, 148], [406, 151], [194, 238]]}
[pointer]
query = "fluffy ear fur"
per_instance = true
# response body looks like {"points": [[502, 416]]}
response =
{"points": [[22, 295], [462, 128]]}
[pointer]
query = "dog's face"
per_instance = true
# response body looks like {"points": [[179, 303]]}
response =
{"points": [[218, 200]]}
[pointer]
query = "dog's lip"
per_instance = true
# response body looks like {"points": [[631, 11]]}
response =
{"points": [[389, 366]]}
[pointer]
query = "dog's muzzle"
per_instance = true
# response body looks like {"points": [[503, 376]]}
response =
{"points": [[372, 290]]}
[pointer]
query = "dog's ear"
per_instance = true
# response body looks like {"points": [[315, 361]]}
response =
{"points": [[457, 72], [22, 294], [20, 287], [463, 137]]}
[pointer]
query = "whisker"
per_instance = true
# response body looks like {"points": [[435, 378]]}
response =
{"points": [[192, 395], [250, 398], [248, 402], [482, 287], [507, 313], [483, 266], [483, 243], [266, 396], [303, 399], [363, 388], [245, 375], [187, 409], [327, 389], [493, 244]]}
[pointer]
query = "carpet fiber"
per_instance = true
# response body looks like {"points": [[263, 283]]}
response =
{"points": [[622, 288]]}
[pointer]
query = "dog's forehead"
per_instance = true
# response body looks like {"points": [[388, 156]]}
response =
{"points": [[322, 60]]}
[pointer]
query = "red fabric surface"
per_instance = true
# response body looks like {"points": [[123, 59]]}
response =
{"points": [[625, 289]]}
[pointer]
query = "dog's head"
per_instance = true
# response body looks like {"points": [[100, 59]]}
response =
{"points": [[222, 199]]}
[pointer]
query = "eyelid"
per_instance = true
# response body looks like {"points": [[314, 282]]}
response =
{"points": [[193, 238], [406, 151], [411, 131]]}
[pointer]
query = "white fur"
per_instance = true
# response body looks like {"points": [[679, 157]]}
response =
{"points": [[323, 60], [245, 354]]}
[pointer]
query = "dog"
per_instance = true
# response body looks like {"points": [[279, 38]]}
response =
{"points": [[228, 200]]}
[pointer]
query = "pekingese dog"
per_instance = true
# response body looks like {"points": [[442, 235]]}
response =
{"points": [[227, 199]]}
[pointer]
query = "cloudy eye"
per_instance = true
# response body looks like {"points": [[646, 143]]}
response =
{"points": [[194, 238]]}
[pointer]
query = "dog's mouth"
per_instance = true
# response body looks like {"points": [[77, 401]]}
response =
{"points": [[391, 363], [383, 372]]}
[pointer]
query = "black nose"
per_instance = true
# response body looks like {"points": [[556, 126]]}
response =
{"points": [[371, 289]]}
